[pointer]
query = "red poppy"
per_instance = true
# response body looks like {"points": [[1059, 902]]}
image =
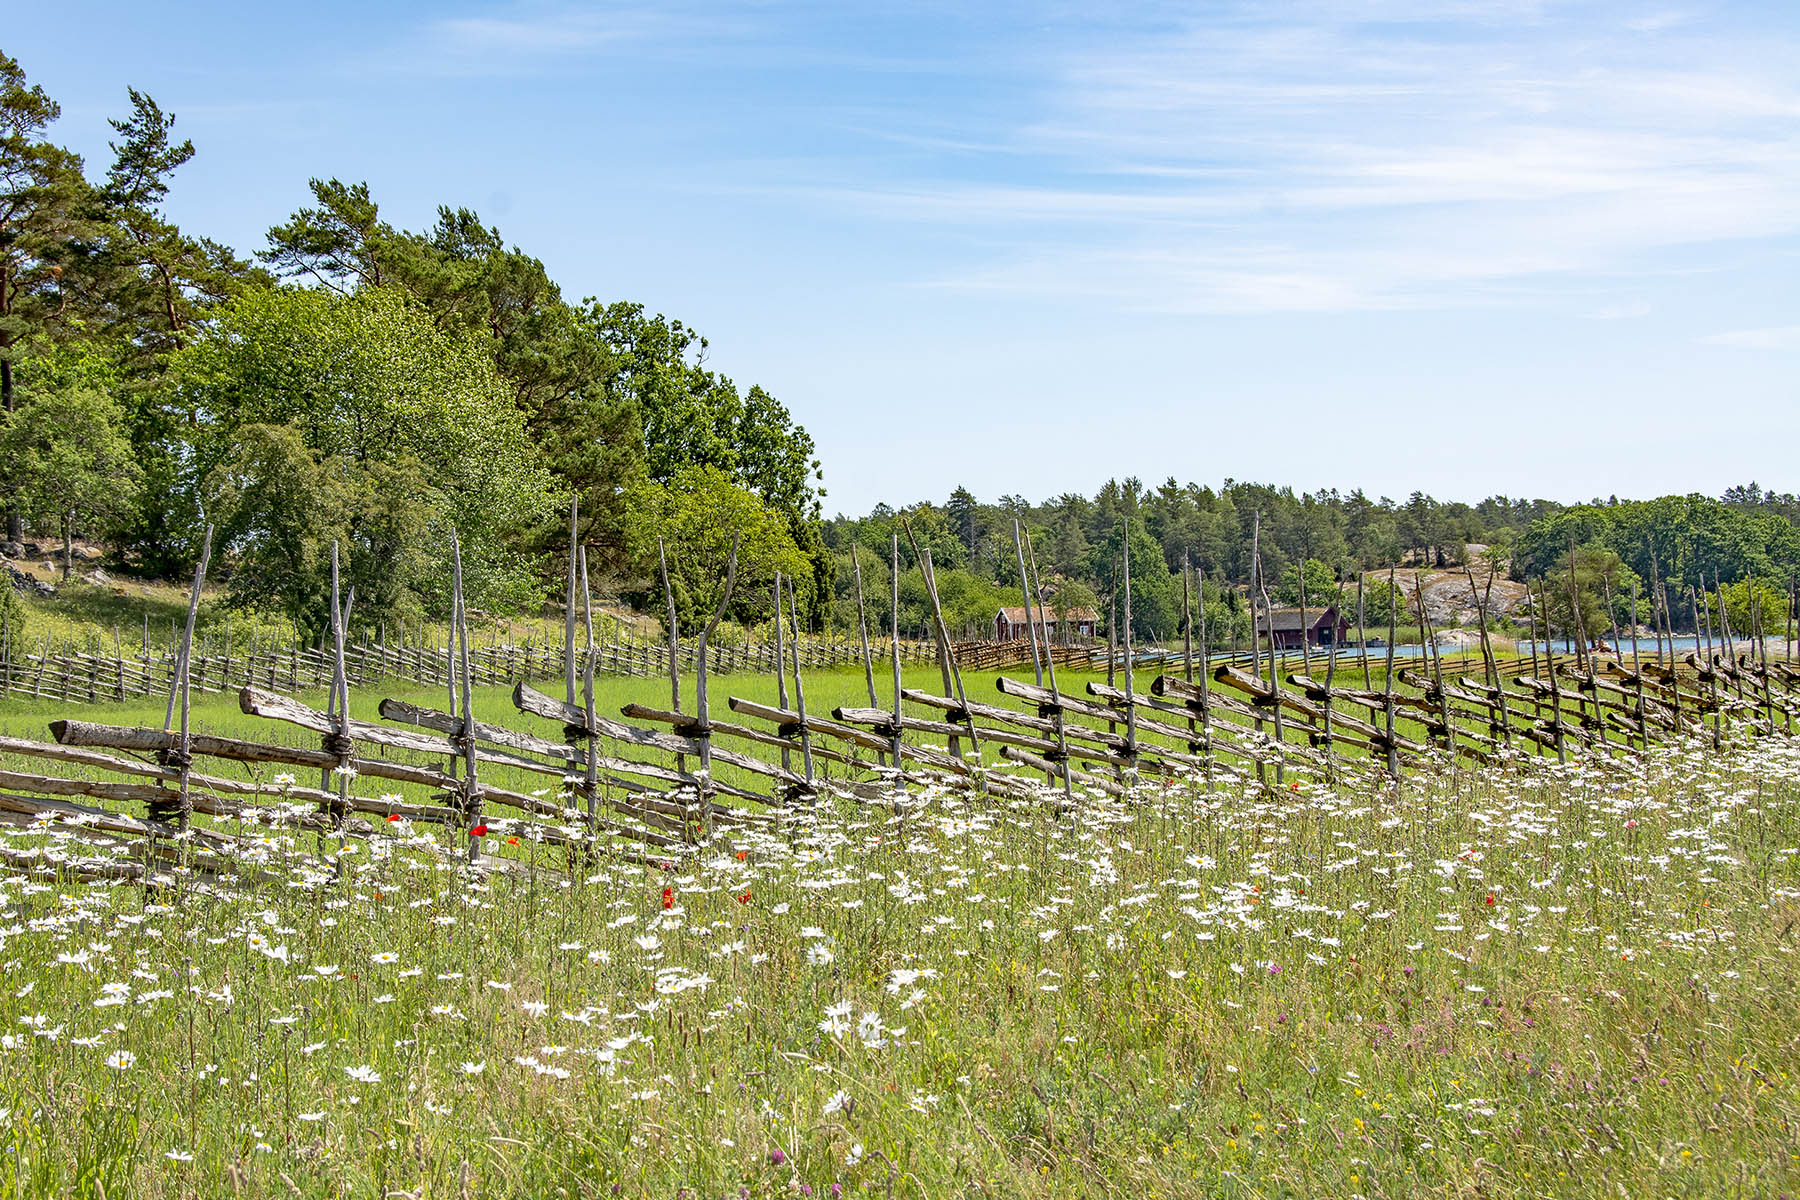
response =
{"points": [[479, 831], [668, 897], [744, 899], [393, 816], [1490, 899], [742, 855], [1294, 786], [512, 841]]}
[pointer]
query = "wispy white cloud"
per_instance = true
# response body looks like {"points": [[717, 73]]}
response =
{"points": [[1410, 154], [1780, 337], [529, 38]]}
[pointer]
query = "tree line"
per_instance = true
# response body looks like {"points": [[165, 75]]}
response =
{"points": [[1584, 561], [357, 383], [354, 382]]}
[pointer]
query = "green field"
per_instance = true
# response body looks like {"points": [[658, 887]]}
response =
{"points": [[1537, 981]]}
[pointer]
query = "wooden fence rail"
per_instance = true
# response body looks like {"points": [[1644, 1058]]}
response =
{"points": [[628, 787], [92, 676]]}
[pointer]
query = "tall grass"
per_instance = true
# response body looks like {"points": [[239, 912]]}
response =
{"points": [[1519, 982]]}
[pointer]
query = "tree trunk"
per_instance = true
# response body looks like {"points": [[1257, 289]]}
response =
{"points": [[68, 524], [15, 528]]}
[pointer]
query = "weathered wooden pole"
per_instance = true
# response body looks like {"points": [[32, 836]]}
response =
{"points": [[1619, 658], [662, 561], [1583, 660], [1205, 675], [1657, 609], [183, 757], [1062, 740], [1436, 665], [1490, 667], [937, 613], [1787, 640], [1305, 632], [343, 745], [1187, 624], [1556, 713], [590, 767], [1131, 750], [806, 754], [1387, 688], [1362, 632], [1255, 643], [465, 738], [1274, 685], [945, 656], [862, 628], [1330, 677], [862, 631], [569, 603], [1037, 666], [1730, 643], [702, 730], [1031, 622], [894, 646], [179, 676], [781, 691], [1711, 670]]}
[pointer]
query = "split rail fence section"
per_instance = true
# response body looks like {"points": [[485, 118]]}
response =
{"points": [[655, 783], [177, 805], [90, 675]]}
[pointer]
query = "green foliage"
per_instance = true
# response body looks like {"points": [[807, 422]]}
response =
{"points": [[1690, 541], [15, 614], [1155, 593], [1322, 586], [1757, 608], [1382, 602], [69, 463], [1576, 593], [699, 512], [42, 194], [283, 505], [382, 399]]}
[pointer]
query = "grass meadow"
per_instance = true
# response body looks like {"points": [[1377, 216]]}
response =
{"points": [[1523, 981]]}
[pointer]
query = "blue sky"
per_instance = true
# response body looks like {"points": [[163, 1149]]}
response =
{"points": [[1472, 246]]}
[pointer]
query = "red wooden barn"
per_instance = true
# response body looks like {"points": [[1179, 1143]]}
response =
{"points": [[1321, 627], [1012, 623]]}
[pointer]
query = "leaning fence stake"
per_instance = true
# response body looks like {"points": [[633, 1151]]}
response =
{"points": [[465, 740], [806, 754], [1062, 739], [702, 731], [591, 771], [183, 756], [862, 630], [569, 607], [341, 744], [894, 643], [662, 560]]}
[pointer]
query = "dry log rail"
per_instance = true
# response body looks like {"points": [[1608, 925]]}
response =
{"points": [[92, 675], [101, 782]]}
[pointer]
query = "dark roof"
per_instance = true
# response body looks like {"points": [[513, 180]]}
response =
{"points": [[1016, 615], [1289, 618]]}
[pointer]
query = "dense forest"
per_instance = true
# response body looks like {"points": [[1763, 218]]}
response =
{"points": [[1682, 543], [357, 383]]}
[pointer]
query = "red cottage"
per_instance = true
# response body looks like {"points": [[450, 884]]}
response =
{"points": [[1012, 623], [1325, 627]]}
